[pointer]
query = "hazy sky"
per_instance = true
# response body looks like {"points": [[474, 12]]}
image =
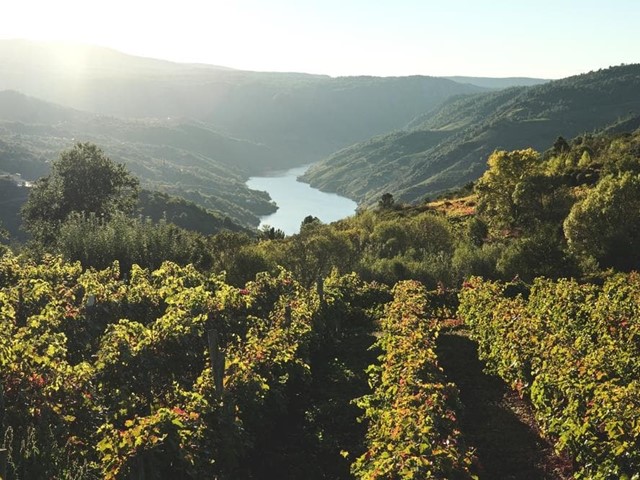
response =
{"points": [[538, 38]]}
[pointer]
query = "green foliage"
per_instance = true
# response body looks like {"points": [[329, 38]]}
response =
{"points": [[395, 248], [540, 255], [185, 214], [83, 179], [4, 236], [267, 232], [501, 190], [386, 201], [560, 146], [476, 231], [311, 254], [97, 242], [469, 259], [604, 225], [573, 350], [445, 147], [411, 412]]}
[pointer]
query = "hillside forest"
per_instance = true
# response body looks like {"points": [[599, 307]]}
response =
{"points": [[468, 322], [131, 346]]}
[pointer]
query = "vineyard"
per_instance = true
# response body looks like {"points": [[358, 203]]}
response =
{"points": [[574, 351], [172, 373], [468, 322], [412, 410], [164, 373]]}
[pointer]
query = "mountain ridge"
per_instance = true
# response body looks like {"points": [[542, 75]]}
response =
{"points": [[301, 117], [471, 128], [498, 82]]}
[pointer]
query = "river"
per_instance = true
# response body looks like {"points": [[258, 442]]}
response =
{"points": [[296, 200]]}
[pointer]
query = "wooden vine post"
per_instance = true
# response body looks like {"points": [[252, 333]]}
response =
{"points": [[218, 360], [287, 315], [3, 463]]}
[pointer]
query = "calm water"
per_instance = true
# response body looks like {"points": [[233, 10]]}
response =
{"points": [[296, 200]]}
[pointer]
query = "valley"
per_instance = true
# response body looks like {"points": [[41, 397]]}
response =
{"points": [[196, 131], [213, 273]]}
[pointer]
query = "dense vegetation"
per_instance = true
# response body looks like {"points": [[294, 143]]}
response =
{"points": [[142, 336], [447, 147], [573, 350], [569, 211]]}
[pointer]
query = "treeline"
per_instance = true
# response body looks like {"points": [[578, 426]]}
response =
{"points": [[570, 211]]}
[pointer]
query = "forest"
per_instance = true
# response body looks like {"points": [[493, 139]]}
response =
{"points": [[133, 347], [447, 146]]}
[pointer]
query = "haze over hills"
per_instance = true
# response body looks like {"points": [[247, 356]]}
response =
{"points": [[499, 83], [184, 158], [449, 146], [199, 131], [301, 117]]}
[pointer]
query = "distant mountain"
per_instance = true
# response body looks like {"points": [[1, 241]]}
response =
{"points": [[299, 117], [449, 146], [184, 158], [499, 83]]}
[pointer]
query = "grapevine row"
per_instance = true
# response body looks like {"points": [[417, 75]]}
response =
{"points": [[574, 350], [412, 410], [107, 377]]}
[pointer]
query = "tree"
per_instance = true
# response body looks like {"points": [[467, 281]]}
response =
{"points": [[541, 254], [605, 225], [309, 222], [500, 188], [541, 199], [386, 202], [561, 146], [82, 179], [4, 235], [267, 232], [312, 253], [476, 231]]}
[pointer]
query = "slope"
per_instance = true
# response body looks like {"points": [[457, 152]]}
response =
{"points": [[498, 82], [301, 117], [449, 146], [181, 157]]}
